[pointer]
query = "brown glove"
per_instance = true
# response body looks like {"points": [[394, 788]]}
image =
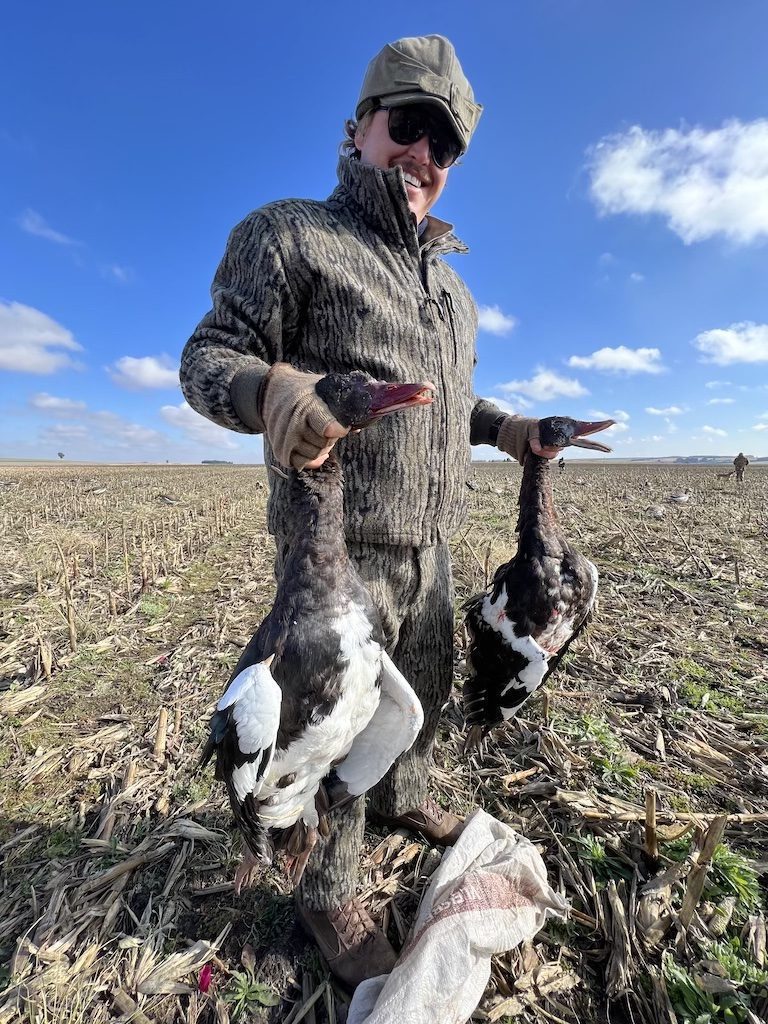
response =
{"points": [[514, 434], [294, 417]]}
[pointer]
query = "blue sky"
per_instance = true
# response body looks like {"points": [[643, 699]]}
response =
{"points": [[615, 201]]}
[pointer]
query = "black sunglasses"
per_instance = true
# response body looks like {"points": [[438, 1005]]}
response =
{"points": [[409, 123]]}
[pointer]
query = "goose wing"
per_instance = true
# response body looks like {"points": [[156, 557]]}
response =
{"points": [[395, 725]]}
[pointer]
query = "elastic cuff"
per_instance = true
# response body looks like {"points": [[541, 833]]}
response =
{"points": [[481, 427], [245, 393]]}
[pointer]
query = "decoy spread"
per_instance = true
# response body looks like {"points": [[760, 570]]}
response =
{"points": [[538, 601], [314, 689]]}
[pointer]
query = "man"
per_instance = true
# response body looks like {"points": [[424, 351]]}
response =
{"points": [[357, 282], [740, 463]]}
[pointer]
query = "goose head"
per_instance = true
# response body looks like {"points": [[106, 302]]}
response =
{"points": [[562, 431], [357, 400]]}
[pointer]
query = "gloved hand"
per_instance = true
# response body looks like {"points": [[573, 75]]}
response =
{"points": [[299, 425], [517, 433]]}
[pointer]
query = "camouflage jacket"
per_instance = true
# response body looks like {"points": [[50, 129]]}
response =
{"points": [[348, 284]]}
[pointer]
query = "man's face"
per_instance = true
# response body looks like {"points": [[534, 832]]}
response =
{"points": [[423, 180]]}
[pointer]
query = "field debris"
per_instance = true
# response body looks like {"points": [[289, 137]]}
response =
{"points": [[641, 774]]}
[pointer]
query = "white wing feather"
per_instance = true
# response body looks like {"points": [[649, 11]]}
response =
{"points": [[392, 730], [255, 699]]}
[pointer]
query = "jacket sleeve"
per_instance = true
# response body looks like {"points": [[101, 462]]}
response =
{"points": [[483, 416], [254, 315]]}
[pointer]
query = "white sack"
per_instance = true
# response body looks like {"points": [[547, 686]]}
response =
{"points": [[489, 894]]}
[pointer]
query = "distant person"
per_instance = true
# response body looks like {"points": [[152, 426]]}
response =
{"points": [[740, 463], [561, 465]]}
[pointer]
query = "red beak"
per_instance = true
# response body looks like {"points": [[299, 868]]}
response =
{"points": [[388, 398], [585, 427]]}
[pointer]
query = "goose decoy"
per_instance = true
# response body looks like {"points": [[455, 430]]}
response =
{"points": [[314, 689], [538, 602], [679, 497]]}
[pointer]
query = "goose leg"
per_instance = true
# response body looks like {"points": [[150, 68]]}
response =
{"points": [[247, 871]]}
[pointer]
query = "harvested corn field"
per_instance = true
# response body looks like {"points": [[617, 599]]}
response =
{"points": [[126, 596]]}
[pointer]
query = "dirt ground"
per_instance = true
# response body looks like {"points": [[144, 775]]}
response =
{"points": [[126, 596]]}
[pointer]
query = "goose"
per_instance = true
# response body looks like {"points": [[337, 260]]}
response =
{"points": [[537, 603], [314, 688], [680, 497]]}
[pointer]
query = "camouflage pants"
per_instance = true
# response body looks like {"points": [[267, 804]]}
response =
{"points": [[413, 590]]}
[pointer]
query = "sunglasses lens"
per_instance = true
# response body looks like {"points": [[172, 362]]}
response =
{"points": [[410, 123]]}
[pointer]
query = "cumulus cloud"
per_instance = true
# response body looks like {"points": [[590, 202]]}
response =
{"points": [[620, 360], [760, 426], [636, 278], [712, 384], [30, 340], [56, 406], [618, 414], [703, 182], [520, 404], [196, 428], [492, 320], [544, 385], [744, 342], [714, 431], [671, 410], [34, 224], [721, 401], [136, 374]]}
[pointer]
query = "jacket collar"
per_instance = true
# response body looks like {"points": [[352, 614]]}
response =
{"points": [[380, 199]]}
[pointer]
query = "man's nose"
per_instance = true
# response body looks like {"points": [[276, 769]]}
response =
{"points": [[419, 150]]}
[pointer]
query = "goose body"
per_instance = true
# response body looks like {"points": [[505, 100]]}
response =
{"points": [[314, 690], [537, 604]]}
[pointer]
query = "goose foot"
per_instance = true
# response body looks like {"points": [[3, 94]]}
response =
{"points": [[247, 871], [299, 850], [475, 736]]}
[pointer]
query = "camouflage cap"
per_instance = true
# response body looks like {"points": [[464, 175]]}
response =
{"points": [[421, 69]]}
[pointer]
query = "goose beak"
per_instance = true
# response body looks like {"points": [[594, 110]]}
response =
{"points": [[388, 398], [584, 427]]}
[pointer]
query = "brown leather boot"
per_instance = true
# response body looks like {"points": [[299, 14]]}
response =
{"points": [[439, 827], [350, 940]]}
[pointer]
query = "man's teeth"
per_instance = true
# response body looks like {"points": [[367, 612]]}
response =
{"points": [[411, 180]]}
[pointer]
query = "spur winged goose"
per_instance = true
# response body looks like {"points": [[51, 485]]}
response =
{"points": [[538, 601], [314, 689]]}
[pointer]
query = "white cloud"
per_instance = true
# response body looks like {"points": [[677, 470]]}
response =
{"points": [[544, 385], [27, 337], [492, 320], [671, 410], [136, 374], [715, 431], [35, 224], [721, 401], [123, 275], [744, 342], [606, 259], [117, 432], [621, 418], [671, 426], [718, 384], [704, 183], [65, 432], [620, 360], [57, 406], [196, 427], [760, 426], [513, 410], [636, 278]]}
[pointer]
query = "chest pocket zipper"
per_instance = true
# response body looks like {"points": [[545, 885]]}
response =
{"points": [[450, 316]]}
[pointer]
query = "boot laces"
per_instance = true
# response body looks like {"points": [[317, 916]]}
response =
{"points": [[352, 924]]}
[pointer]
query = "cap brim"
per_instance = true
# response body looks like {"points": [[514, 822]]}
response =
{"points": [[402, 99]]}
